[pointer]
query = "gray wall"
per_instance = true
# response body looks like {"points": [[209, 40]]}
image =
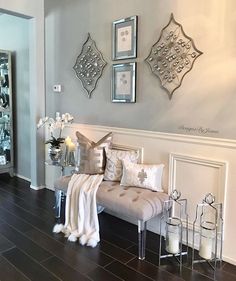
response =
{"points": [[204, 104], [15, 37]]}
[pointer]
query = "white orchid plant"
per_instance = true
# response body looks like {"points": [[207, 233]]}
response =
{"points": [[55, 125]]}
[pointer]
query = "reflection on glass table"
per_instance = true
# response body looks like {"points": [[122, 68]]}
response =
{"points": [[62, 164]]}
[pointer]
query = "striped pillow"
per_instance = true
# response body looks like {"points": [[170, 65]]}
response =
{"points": [[91, 155], [114, 167]]}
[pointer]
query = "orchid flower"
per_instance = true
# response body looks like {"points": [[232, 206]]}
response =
{"points": [[42, 122], [55, 124]]}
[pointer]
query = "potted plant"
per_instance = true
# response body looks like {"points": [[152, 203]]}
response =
{"points": [[55, 126], [55, 142], [55, 150]]}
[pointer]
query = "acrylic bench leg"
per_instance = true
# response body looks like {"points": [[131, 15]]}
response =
{"points": [[142, 225], [59, 200]]}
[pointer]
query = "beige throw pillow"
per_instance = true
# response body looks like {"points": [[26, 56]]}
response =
{"points": [[91, 155], [140, 175], [114, 167]]}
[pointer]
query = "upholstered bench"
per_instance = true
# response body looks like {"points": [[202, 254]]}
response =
{"points": [[135, 202]]}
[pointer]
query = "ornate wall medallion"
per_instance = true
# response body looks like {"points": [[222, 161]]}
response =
{"points": [[89, 65], [172, 56]]}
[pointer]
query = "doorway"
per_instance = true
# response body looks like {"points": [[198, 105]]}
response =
{"points": [[14, 32]]}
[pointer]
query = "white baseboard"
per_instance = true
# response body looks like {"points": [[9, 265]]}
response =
{"points": [[229, 260], [37, 187], [50, 188], [29, 180], [22, 177]]}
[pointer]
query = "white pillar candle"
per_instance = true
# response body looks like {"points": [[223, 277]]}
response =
{"points": [[71, 146], [205, 250], [173, 243], [67, 141]]}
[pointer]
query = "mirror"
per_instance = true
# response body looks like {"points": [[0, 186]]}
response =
{"points": [[4, 80], [5, 111]]}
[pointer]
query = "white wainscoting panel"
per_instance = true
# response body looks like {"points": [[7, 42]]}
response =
{"points": [[194, 177]]}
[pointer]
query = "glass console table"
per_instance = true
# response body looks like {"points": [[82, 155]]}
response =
{"points": [[60, 164], [60, 195]]}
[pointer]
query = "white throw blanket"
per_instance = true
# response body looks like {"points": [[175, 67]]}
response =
{"points": [[81, 218]]}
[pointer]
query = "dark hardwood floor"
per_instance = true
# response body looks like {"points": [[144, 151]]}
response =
{"points": [[30, 251]]}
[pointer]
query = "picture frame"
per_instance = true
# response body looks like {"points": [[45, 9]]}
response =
{"points": [[124, 82], [124, 38]]}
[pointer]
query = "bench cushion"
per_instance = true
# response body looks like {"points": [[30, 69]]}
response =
{"points": [[141, 204]]}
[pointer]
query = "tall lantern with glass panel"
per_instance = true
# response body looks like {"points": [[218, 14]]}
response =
{"points": [[6, 129]]}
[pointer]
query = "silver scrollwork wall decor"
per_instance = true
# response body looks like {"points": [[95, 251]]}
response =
{"points": [[172, 56], [89, 65]]}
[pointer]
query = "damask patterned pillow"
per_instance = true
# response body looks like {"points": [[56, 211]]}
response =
{"points": [[141, 175], [114, 167], [91, 155]]}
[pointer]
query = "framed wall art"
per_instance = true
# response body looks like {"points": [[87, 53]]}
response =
{"points": [[124, 82], [124, 38]]}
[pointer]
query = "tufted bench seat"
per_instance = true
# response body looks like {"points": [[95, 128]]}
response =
{"points": [[138, 203]]}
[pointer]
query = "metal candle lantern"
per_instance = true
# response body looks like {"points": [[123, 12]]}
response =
{"points": [[173, 235], [208, 232], [175, 222]]}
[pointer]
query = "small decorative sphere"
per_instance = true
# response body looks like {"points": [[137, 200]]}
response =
{"points": [[175, 194], [209, 198]]}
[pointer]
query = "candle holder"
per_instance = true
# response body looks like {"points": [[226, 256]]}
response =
{"points": [[77, 158], [208, 232], [174, 221], [69, 157]]}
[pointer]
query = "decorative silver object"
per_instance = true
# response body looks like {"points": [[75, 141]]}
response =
{"points": [[172, 56], [89, 65], [175, 221], [208, 232], [55, 154]]}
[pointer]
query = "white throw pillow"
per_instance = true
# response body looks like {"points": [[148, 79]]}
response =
{"points": [[114, 167], [141, 175]]}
